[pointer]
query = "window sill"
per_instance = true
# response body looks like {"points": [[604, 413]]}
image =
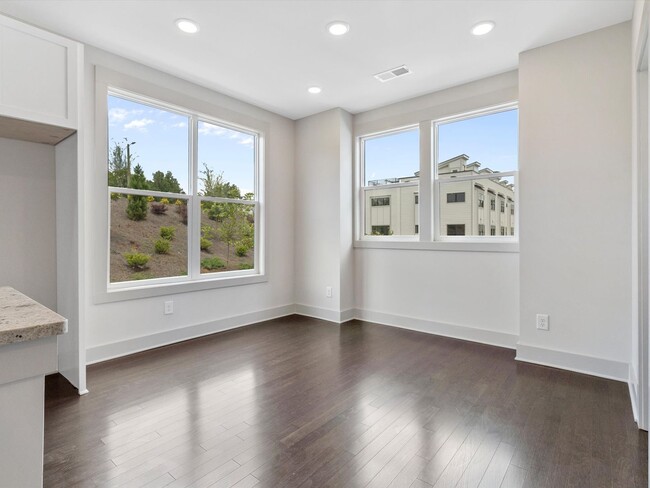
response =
{"points": [[162, 289], [464, 246]]}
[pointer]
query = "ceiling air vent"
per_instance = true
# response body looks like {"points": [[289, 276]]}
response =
{"points": [[393, 73]]}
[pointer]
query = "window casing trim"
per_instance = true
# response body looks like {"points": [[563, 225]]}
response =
{"points": [[115, 83], [429, 236]]}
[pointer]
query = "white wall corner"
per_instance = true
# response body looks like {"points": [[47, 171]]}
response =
{"points": [[633, 384], [604, 368], [113, 350], [327, 314]]}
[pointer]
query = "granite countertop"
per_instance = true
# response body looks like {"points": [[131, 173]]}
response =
{"points": [[23, 319]]}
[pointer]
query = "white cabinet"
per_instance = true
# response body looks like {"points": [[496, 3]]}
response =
{"points": [[38, 75]]}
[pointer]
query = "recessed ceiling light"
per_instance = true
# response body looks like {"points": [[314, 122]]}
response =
{"points": [[338, 28], [314, 90], [188, 26], [483, 28]]}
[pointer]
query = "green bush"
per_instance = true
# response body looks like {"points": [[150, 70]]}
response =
{"points": [[167, 232], [212, 263], [136, 260], [115, 196], [206, 244], [245, 266], [137, 207], [207, 231], [241, 249], [162, 246]]}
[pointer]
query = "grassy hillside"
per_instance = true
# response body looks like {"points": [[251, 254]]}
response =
{"points": [[140, 236]]}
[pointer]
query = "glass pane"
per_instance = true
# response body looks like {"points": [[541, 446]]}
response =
{"points": [[226, 162], [480, 207], [227, 237], [392, 211], [483, 143], [392, 158], [148, 238], [148, 147]]}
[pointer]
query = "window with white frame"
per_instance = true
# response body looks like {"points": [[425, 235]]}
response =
{"points": [[474, 157], [183, 194], [390, 174]]}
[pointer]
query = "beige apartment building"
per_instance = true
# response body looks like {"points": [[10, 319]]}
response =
{"points": [[476, 207]]}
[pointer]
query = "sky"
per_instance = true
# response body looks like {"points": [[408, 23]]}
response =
{"points": [[492, 140], [161, 143]]}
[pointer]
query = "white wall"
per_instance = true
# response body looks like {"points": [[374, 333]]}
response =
{"points": [[323, 219], [471, 295], [575, 182], [123, 327], [28, 219]]}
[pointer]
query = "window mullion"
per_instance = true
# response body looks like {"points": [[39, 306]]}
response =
{"points": [[425, 193], [194, 234]]}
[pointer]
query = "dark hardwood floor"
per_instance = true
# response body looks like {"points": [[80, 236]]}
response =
{"points": [[297, 402]]}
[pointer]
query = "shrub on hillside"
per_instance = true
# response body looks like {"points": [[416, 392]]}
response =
{"points": [[167, 232], [137, 206], [136, 260], [245, 266], [158, 208], [206, 244], [241, 249], [165, 201], [212, 263], [162, 246]]}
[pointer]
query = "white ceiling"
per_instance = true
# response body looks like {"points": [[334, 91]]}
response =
{"points": [[268, 52]]}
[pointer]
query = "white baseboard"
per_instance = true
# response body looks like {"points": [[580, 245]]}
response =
{"points": [[604, 368], [472, 334], [113, 350], [328, 314]]}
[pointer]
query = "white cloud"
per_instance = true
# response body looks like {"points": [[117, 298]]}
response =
{"points": [[247, 141], [211, 130], [139, 124], [181, 125], [117, 114]]}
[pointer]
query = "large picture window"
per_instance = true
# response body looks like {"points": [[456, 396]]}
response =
{"points": [[473, 160], [183, 195]]}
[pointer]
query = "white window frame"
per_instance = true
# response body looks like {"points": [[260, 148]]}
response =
{"points": [[112, 83], [430, 236]]}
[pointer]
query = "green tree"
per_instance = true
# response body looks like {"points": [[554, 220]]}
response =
{"points": [[117, 166], [137, 206], [234, 226], [215, 186], [165, 182]]}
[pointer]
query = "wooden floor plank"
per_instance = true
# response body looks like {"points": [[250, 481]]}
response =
{"points": [[296, 402]]}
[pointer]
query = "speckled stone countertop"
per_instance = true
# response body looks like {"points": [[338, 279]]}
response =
{"points": [[23, 319]]}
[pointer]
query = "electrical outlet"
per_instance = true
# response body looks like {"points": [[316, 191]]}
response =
{"points": [[542, 321], [169, 307], [328, 291]]}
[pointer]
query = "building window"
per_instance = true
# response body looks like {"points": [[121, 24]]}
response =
{"points": [[456, 229], [503, 231], [481, 229], [417, 229], [493, 230], [381, 230], [170, 222], [380, 201], [512, 231], [390, 164], [463, 162], [458, 197], [512, 209]]}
